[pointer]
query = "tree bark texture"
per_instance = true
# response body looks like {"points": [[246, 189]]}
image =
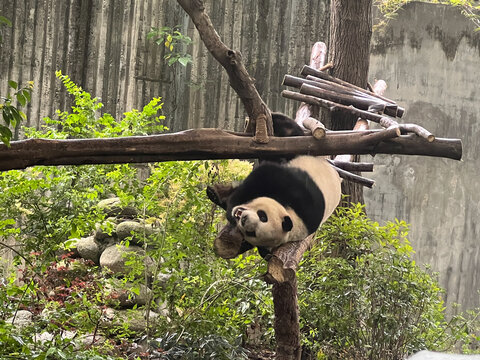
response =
{"points": [[287, 331], [349, 51], [204, 144]]}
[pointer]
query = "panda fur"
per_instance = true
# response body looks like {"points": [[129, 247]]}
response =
{"points": [[279, 203], [285, 126]]}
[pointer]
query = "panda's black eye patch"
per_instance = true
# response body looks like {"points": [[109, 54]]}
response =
{"points": [[262, 216]]}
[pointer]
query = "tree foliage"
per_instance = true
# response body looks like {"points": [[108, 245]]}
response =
{"points": [[174, 43], [373, 301]]}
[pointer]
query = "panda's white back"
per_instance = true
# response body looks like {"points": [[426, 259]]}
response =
{"points": [[326, 178]]}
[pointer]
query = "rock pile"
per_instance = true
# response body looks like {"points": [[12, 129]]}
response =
{"points": [[107, 248]]}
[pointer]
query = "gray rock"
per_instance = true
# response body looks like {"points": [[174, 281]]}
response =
{"points": [[113, 207], [163, 279], [108, 315], [430, 355], [89, 249], [88, 340], [46, 336], [101, 230], [127, 228], [22, 319], [114, 258], [135, 319], [162, 308]]}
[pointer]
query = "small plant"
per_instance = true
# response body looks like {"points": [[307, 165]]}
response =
{"points": [[174, 42], [188, 347], [11, 114]]}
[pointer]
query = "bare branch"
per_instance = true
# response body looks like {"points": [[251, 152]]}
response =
{"points": [[231, 60], [352, 166]]}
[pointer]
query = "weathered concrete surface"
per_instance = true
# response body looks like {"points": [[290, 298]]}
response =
{"points": [[430, 58]]}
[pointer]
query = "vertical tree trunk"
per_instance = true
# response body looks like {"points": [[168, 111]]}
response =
{"points": [[349, 51], [287, 330]]}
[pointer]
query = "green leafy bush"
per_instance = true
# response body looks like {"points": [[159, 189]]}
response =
{"points": [[46, 206], [11, 114], [363, 296]]}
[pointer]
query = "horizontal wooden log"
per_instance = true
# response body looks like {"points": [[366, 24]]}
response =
{"points": [[333, 106], [204, 144], [332, 86], [307, 70]]}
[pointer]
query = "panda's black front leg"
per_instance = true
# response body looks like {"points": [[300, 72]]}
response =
{"points": [[244, 247], [264, 252]]}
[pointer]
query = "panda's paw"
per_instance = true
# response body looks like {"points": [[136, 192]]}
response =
{"points": [[219, 193], [213, 196]]}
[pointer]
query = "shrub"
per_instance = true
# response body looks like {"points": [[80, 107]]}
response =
{"points": [[363, 296]]}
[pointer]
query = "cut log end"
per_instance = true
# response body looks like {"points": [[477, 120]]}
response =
{"points": [[316, 127], [319, 133]]}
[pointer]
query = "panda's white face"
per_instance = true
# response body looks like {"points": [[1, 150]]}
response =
{"points": [[265, 222]]}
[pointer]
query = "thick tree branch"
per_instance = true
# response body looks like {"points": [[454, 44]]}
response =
{"points": [[203, 144], [231, 60]]}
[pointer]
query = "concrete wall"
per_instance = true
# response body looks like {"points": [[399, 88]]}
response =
{"points": [[430, 58]]}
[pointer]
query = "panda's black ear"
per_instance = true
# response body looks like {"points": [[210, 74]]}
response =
{"points": [[287, 224]]}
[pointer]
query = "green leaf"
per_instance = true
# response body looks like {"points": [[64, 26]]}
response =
{"points": [[184, 60], [17, 118], [13, 84], [4, 20], [21, 99], [5, 135], [7, 115], [27, 95]]}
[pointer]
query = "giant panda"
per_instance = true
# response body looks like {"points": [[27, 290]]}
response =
{"points": [[283, 199], [279, 203]]}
